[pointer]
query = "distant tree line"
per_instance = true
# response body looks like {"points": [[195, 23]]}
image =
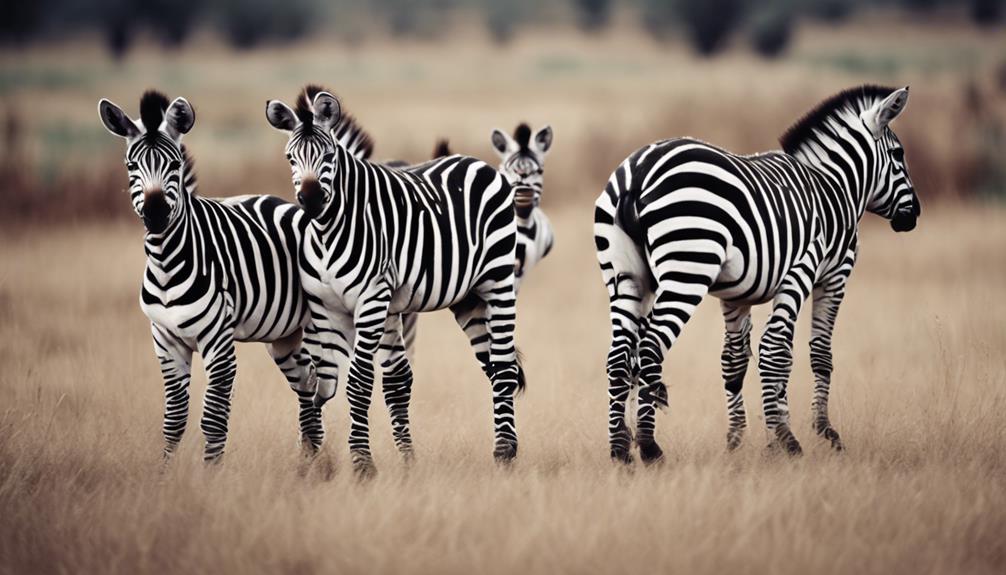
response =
{"points": [[708, 25]]}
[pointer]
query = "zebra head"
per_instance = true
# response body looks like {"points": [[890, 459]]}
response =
{"points": [[894, 197], [522, 163], [155, 157], [311, 147]]}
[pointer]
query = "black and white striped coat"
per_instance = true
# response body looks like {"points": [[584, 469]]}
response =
{"points": [[217, 272], [522, 163], [680, 219], [385, 241]]}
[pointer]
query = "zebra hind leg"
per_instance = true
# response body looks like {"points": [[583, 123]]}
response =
{"points": [[672, 308], [295, 362], [625, 301], [734, 362], [397, 384]]}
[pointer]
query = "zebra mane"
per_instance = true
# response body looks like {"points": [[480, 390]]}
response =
{"points": [[153, 104], [853, 99], [522, 135], [347, 132], [190, 170]]}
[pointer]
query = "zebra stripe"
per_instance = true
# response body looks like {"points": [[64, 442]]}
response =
{"points": [[680, 219], [217, 271], [385, 241]]}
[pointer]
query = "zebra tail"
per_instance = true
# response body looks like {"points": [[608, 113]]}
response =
{"points": [[627, 215], [521, 376]]}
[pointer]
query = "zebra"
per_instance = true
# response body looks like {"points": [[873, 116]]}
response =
{"points": [[385, 241], [680, 218], [217, 271], [522, 162]]}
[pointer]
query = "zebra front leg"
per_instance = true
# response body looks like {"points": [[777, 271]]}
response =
{"points": [[371, 315], [175, 358], [775, 352], [397, 383], [293, 359], [734, 361], [501, 315], [221, 367], [825, 310]]}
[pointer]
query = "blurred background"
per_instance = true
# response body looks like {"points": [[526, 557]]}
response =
{"points": [[609, 75]]}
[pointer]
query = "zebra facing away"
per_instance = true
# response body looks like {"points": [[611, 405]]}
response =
{"points": [[522, 160], [679, 219], [385, 241], [217, 271]]}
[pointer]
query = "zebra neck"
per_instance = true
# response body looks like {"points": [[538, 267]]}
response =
{"points": [[844, 179]]}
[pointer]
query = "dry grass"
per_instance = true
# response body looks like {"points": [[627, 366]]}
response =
{"points": [[920, 393]]}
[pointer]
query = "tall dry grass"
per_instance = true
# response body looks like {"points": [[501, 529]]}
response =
{"points": [[919, 396]]}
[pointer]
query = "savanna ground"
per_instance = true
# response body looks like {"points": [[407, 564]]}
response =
{"points": [[919, 388]]}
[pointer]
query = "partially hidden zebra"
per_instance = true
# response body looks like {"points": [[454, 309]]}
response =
{"points": [[218, 271], [385, 241], [680, 218], [522, 162]]}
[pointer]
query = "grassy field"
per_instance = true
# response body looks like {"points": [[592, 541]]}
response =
{"points": [[919, 396], [919, 387]]}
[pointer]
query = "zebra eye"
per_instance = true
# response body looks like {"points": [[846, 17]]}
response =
{"points": [[131, 166], [898, 154]]}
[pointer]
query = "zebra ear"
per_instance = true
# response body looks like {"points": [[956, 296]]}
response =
{"points": [[116, 121], [879, 116], [543, 140], [280, 116], [501, 142], [326, 110], [179, 118]]}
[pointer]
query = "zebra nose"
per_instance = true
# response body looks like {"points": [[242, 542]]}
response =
{"points": [[310, 196]]}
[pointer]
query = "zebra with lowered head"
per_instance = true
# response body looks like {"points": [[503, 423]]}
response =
{"points": [[680, 218], [385, 241], [217, 271]]}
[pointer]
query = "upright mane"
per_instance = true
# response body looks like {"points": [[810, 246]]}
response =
{"points": [[522, 135], [153, 104], [854, 100], [346, 131]]}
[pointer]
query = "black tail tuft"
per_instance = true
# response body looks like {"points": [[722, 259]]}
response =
{"points": [[627, 215], [442, 149], [521, 376]]}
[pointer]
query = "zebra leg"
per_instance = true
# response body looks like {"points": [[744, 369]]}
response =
{"points": [[295, 362], [221, 367], [775, 352], [328, 344], [371, 315], [734, 361], [681, 286], [175, 358], [501, 314], [472, 316], [825, 310], [397, 383], [626, 305]]}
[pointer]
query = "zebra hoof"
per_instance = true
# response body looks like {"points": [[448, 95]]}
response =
{"points": [[786, 442], [650, 452], [734, 439], [364, 470], [621, 455], [505, 453]]}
